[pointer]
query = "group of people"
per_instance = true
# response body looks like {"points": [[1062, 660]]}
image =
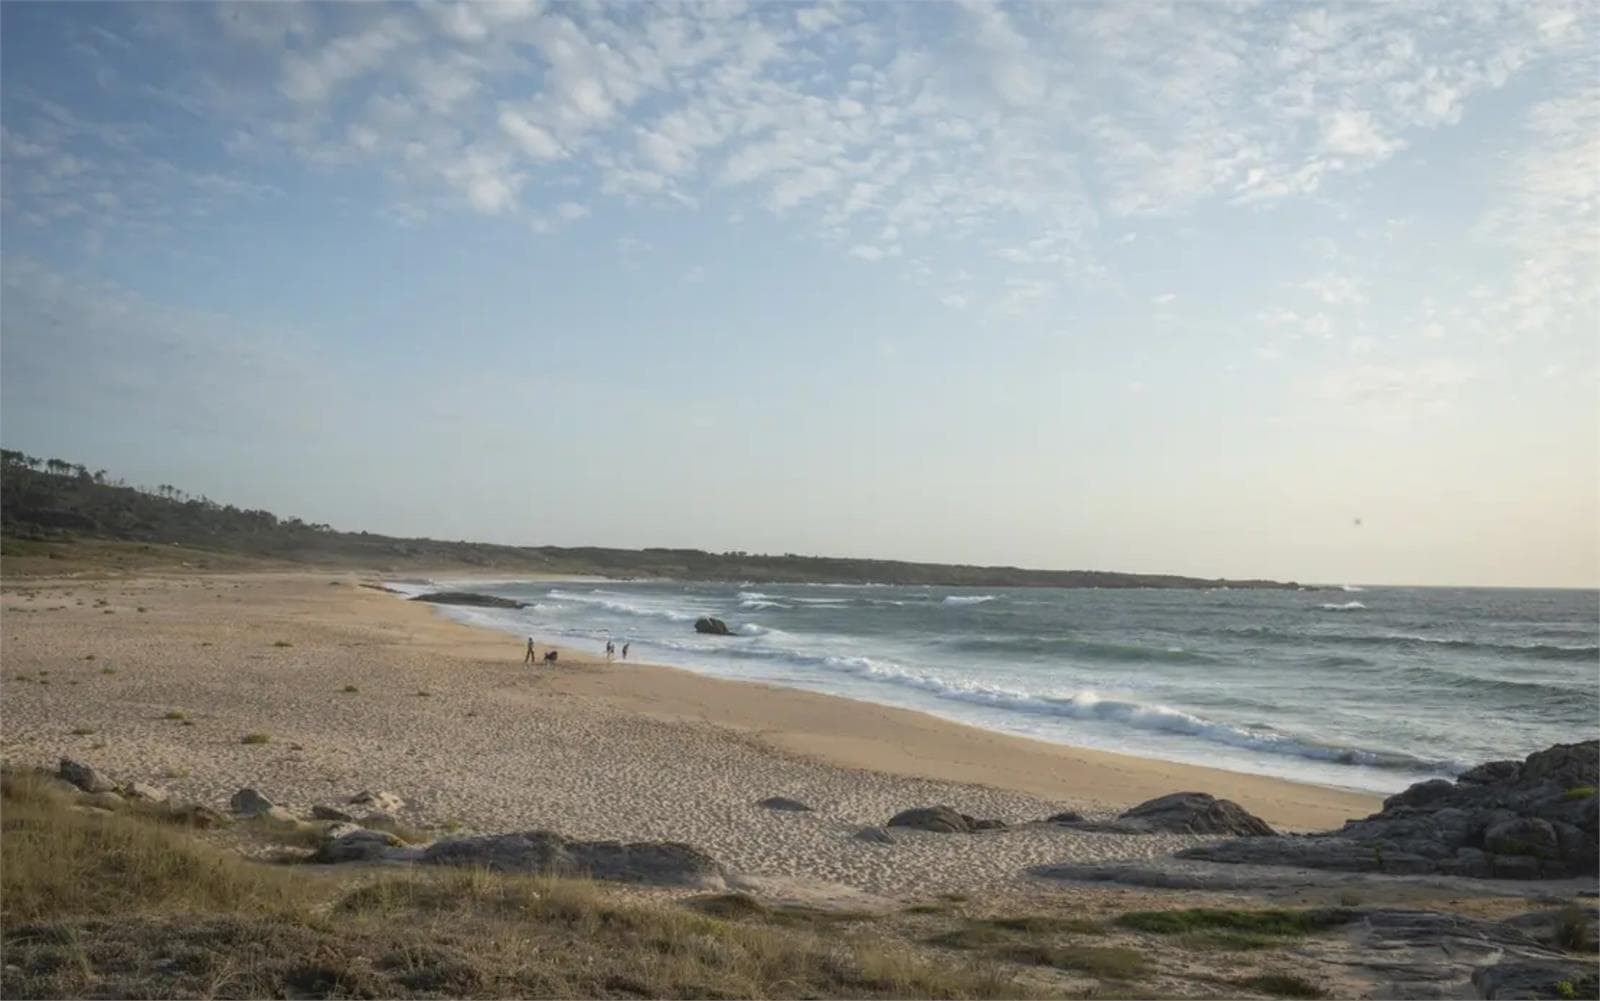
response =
{"points": [[532, 655]]}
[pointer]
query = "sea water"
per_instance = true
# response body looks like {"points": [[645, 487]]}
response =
{"points": [[1364, 688]]}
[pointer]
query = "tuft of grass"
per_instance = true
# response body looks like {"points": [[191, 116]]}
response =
{"points": [[1281, 985], [1570, 930], [1226, 941], [1288, 924], [730, 905], [1578, 792], [1045, 924], [82, 731], [108, 670], [927, 909], [281, 643], [422, 694], [1107, 962], [351, 688], [254, 738], [175, 714], [89, 657]]}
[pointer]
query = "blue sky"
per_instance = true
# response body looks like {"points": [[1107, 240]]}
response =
{"points": [[1149, 287]]}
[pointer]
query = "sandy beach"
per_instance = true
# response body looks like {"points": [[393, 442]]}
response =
{"points": [[449, 718]]}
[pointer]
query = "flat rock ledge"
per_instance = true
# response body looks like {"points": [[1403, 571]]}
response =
{"points": [[942, 820], [469, 598], [659, 863], [1177, 813]]}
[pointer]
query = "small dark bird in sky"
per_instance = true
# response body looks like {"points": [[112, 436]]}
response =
{"points": [[1356, 522]]}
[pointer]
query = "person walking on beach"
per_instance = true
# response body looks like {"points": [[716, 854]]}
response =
{"points": [[624, 651], [611, 649], [532, 656]]}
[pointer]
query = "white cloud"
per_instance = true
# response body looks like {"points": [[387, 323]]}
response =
{"points": [[1165, 298], [533, 139], [571, 211]]}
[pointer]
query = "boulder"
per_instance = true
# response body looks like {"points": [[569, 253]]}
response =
{"points": [[1523, 836], [105, 799], [358, 845], [875, 835], [1065, 817], [660, 863], [321, 812], [783, 803], [84, 776], [943, 820], [249, 803], [710, 626], [1504, 820], [1196, 813], [145, 791], [382, 802]]}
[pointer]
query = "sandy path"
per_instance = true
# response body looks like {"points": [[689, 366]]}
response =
{"points": [[587, 749]]}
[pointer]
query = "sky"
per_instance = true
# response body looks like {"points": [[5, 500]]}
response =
{"points": [[1289, 290]]}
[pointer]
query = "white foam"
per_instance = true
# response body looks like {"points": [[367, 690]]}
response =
{"points": [[1349, 606], [968, 599]]}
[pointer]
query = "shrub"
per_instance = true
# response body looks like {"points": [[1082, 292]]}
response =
{"points": [[254, 738], [1579, 792], [1282, 985], [175, 714]]}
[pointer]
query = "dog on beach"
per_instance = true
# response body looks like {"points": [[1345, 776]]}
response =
{"points": [[550, 657]]}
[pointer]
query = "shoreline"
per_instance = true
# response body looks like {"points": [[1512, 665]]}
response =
{"points": [[455, 581], [160, 678], [824, 727]]}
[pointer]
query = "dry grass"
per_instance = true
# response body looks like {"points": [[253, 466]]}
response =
{"points": [[122, 905], [254, 738]]}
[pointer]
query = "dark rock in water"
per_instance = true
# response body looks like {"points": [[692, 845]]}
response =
{"points": [[782, 803], [469, 598], [1539, 818], [942, 820], [714, 627], [1195, 813], [662, 863], [84, 776], [1065, 817]]}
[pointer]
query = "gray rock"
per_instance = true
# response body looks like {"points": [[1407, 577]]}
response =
{"points": [[145, 791], [469, 598], [249, 803], [711, 626], [661, 863], [383, 802], [84, 777], [1196, 813], [783, 803], [1523, 836], [875, 835], [340, 829], [358, 845], [1504, 820], [105, 799], [321, 812], [1065, 817], [940, 819]]}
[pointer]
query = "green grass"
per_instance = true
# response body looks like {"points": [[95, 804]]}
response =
{"points": [[175, 714], [1578, 792], [1045, 924], [254, 738], [108, 670], [1281, 985], [1283, 923]]}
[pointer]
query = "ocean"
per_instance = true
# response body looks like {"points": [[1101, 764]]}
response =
{"points": [[1361, 688]]}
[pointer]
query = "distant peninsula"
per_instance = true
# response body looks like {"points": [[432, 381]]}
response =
{"points": [[47, 505]]}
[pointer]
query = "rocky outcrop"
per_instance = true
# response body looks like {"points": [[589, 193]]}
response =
{"points": [[249, 803], [1196, 813], [785, 804], [469, 598], [711, 627], [943, 820], [378, 802], [1538, 818], [146, 792], [654, 862], [84, 776], [1177, 813], [349, 843]]}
